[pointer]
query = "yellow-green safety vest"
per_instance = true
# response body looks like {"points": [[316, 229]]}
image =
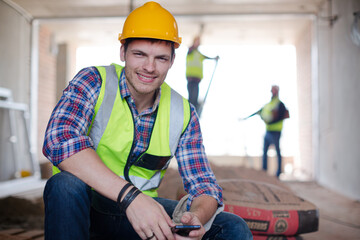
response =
{"points": [[194, 64], [267, 115], [112, 131]]}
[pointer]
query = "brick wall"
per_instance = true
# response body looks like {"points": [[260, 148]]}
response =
{"points": [[46, 87]]}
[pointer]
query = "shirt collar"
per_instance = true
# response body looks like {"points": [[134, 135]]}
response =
{"points": [[124, 90]]}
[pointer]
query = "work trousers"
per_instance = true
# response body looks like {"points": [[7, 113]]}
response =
{"points": [[75, 212], [193, 90], [272, 137]]}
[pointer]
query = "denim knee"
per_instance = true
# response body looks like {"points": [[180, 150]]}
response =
{"points": [[233, 227], [63, 181], [244, 229], [65, 184]]}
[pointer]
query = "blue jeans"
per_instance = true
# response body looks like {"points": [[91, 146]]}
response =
{"points": [[74, 212], [272, 138]]}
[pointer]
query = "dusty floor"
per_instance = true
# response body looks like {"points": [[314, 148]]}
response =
{"points": [[339, 217], [21, 213]]}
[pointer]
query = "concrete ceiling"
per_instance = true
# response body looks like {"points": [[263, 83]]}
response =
{"points": [[114, 8], [224, 21]]}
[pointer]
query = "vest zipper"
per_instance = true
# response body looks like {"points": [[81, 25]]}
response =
{"points": [[128, 164]]}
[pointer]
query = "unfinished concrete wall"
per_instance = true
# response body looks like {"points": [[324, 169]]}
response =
{"points": [[339, 115], [304, 91]]}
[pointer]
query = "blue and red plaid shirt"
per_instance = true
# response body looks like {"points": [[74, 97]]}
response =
{"points": [[67, 129]]}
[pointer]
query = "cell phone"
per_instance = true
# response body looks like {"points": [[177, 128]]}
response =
{"points": [[184, 230]]}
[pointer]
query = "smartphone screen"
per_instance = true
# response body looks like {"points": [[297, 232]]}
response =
{"points": [[184, 230]]}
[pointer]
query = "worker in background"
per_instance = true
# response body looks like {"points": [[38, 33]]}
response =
{"points": [[194, 71], [273, 114], [111, 137]]}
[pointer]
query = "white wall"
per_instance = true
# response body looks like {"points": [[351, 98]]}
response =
{"points": [[14, 75], [339, 115], [305, 165], [15, 53]]}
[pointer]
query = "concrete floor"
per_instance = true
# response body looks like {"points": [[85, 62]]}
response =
{"points": [[339, 216]]}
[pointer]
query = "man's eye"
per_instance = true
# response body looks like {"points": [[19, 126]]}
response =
{"points": [[164, 59]]}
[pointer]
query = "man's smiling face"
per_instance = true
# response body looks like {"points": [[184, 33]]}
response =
{"points": [[146, 65]]}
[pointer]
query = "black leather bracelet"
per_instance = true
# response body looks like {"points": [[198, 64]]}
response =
{"points": [[126, 198], [126, 204], [122, 191]]}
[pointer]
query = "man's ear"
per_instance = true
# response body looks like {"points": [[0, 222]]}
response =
{"points": [[122, 53]]}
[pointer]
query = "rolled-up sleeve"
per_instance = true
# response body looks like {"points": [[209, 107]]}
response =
{"points": [[66, 133], [194, 167]]}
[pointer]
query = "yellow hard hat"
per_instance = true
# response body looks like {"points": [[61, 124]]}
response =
{"points": [[151, 21]]}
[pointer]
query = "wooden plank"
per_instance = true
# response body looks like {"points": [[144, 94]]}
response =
{"points": [[12, 231], [31, 234], [11, 237], [39, 238], [21, 234]]}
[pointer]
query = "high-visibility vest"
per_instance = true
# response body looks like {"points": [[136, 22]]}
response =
{"points": [[194, 64], [267, 115], [112, 131]]}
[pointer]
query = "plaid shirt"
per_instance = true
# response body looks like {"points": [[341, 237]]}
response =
{"points": [[67, 129]]}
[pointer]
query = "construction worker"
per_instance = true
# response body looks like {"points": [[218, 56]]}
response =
{"points": [[111, 137], [194, 71], [273, 115]]}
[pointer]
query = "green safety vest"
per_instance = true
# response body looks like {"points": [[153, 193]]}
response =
{"points": [[267, 115], [194, 64], [112, 131]]}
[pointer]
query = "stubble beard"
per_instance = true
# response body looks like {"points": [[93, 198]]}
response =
{"points": [[138, 90]]}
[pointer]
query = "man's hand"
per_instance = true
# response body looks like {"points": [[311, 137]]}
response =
{"points": [[190, 218], [149, 219]]}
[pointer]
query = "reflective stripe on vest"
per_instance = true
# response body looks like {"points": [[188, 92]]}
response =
{"points": [[194, 64], [113, 132]]}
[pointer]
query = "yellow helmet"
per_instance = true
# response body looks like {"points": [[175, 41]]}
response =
{"points": [[151, 21]]}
